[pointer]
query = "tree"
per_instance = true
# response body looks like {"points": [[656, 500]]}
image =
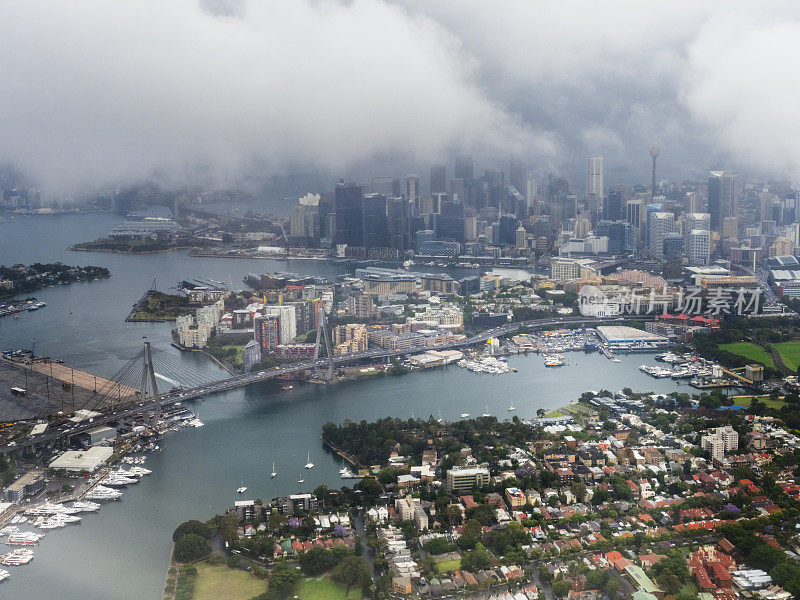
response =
{"points": [[191, 547], [578, 490], [351, 571], [282, 582], [561, 588], [193, 526], [438, 546]]}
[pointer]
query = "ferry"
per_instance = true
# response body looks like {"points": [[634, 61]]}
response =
{"points": [[553, 360]]}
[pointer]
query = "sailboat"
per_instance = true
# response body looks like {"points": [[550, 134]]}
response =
{"points": [[486, 414], [274, 472], [309, 464], [301, 480], [511, 407], [439, 418]]}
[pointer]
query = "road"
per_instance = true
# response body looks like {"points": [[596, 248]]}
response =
{"points": [[251, 378]]}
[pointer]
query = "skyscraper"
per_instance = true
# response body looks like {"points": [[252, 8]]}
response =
{"points": [[721, 197], [661, 223], [411, 191], [594, 177], [458, 190], [698, 243], [518, 175], [438, 179], [399, 217], [464, 167], [615, 208], [348, 206], [388, 186], [375, 223]]}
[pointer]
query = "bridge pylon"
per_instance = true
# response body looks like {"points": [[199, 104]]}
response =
{"points": [[149, 387], [322, 330]]}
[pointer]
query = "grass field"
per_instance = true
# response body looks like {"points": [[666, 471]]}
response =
{"points": [[447, 566], [750, 351], [790, 353], [321, 588], [218, 581], [747, 400], [555, 413]]}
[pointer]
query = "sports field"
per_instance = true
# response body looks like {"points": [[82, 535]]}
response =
{"points": [[750, 351]]}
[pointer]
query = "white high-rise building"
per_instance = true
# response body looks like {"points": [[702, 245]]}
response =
{"points": [[698, 247], [661, 223]]}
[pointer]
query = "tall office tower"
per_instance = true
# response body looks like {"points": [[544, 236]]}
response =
{"points": [[495, 180], [470, 227], [633, 212], [458, 190], [766, 197], [375, 223], [449, 223], [695, 220], [438, 179], [698, 247], [479, 193], [518, 175], [582, 228], [694, 202], [530, 194], [614, 208], [594, 177], [521, 234], [672, 246], [399, 223], [388, 186], [660, 224], [348, 208], [464, 167], [730, 228], [411, 191], [651, 208], [654, 155], [721, 197]]}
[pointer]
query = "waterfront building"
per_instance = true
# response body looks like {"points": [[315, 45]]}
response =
{"points": [[251, 355], [287, 319], [438, 282], [389, 283], [267, 333], [567, 269], [439, 248], [28, 485], [350, 338]]}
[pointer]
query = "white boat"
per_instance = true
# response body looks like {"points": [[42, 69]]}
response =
{"points": [[348, 474], [274, 472], [101, 492], [439, 418], [309, 464], [616, 360], [464, 415], [241, 489], [114, 480], [511, 407], [4, 575], [301, 480], [9, 529], [486, 414], [20, 556], [24, 538], [85, 506]]}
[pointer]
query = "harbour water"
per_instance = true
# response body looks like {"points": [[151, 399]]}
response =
{"points": [[122, 551]]}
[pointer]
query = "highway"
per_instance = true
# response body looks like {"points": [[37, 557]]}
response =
{"points": [[237, 381]]}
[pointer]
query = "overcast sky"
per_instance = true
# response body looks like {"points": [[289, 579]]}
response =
{"points": [[227, 92]]}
